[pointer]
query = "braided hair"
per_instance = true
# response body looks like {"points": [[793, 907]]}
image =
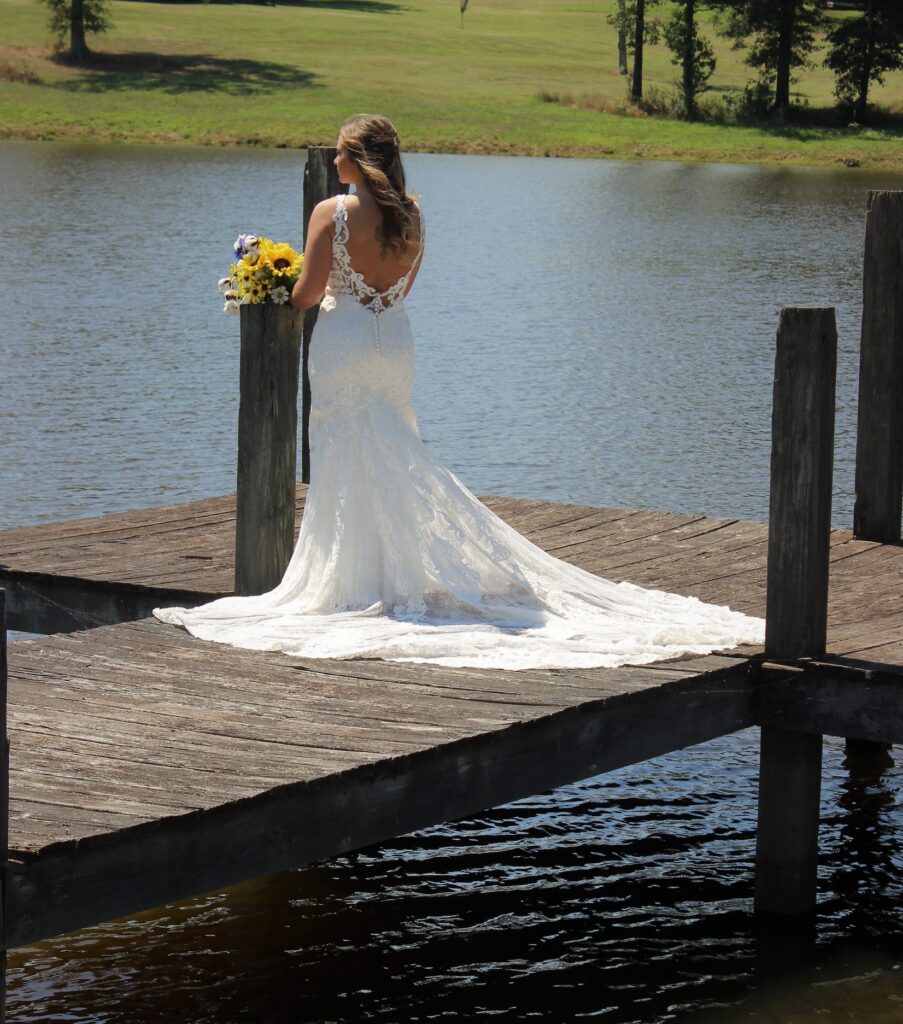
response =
{"points": [[373, 146]]}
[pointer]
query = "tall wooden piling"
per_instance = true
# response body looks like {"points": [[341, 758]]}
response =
{"points": [[879, 438], [321, 180], [267, 443], [796, 599], [879, 441], [4, 804]]}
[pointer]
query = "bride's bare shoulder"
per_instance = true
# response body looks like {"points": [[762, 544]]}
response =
{"points": [[327, 207], [323, 215]]}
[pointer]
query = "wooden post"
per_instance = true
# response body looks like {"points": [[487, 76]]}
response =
{"points": [[879, 438], [868, 759], [802, 448], [879, 441], [802, 455], [4, 804], [321, 180], [267, 441]]}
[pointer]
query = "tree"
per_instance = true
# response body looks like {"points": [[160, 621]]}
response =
{"points": [[863, 49], [622, 37], [634, 30], [783, 37], [636, 86], [692, 53], [74, 18]]}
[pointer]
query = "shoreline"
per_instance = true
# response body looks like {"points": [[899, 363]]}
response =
{"points": [[853, 162]]}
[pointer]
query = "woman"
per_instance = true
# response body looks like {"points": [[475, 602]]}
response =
{"points": [[396, 558]]}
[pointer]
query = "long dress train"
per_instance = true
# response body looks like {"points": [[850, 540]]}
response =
{"points": [[397, 559]]}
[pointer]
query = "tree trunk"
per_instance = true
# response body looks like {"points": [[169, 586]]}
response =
{"points": [[689, 58], [862, 101], [622, 40], [785, 53], [78, 48], [636, 92]]}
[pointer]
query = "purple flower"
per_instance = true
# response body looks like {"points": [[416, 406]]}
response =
{"points": [[245, 244]]}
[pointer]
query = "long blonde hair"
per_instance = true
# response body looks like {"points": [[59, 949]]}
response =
{"points": [[372, 144]]}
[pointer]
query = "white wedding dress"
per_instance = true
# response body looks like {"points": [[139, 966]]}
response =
{"points": [[397, 559]]}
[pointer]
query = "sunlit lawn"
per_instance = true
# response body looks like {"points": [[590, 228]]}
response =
{"points": [[288, 75]]}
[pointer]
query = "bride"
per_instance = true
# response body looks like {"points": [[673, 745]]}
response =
{"points": [[396, 558]]}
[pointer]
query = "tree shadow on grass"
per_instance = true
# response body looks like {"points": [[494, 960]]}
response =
{"points": [[804, 121], [813, 125], [364, 6], [184, 73]]}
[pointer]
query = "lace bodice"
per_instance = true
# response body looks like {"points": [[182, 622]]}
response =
{"points": [[345, 279]]}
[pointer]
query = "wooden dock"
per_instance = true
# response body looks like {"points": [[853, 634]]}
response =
{"points": [[148, 765]]}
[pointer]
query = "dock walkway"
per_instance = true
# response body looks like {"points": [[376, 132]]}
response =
{"points": [[103, 570], [148, 765]]}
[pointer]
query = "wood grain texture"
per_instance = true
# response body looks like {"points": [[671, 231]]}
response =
{"points": [[267, 438], [142, 751], [148, 765], [879, 439], [802, 453], [835, 698], [108, 569], [787, 830]]}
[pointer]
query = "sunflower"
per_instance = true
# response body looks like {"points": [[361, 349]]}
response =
{"points": [[281, 257], [257, 291], [243, 275]]}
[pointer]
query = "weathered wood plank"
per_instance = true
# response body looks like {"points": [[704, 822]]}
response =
{"points": [[722, 561], [297, 824], [44, 604], [833, 700]]}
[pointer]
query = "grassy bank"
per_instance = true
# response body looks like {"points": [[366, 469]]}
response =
{"points": [[288, 75]]}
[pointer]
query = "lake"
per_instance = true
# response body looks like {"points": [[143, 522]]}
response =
{"points": [[590, 331]]}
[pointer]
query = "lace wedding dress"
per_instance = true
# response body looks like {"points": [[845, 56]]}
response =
{"points": [[397, 559]]}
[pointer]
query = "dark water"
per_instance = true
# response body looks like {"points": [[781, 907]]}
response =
{"points": [[588, 331]]}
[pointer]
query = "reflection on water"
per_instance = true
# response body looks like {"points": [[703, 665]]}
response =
{"points": [[587, 331]]}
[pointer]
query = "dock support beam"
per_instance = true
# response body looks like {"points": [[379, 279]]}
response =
{"points": [[321, 180], [797, 599]]}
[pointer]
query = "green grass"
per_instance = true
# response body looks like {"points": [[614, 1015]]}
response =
{"points": [[288, 75]]}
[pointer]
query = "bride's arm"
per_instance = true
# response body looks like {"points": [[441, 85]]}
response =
{"points": [[311, 285]]}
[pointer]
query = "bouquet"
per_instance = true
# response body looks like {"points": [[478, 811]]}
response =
{"points": [[263, 271]]}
